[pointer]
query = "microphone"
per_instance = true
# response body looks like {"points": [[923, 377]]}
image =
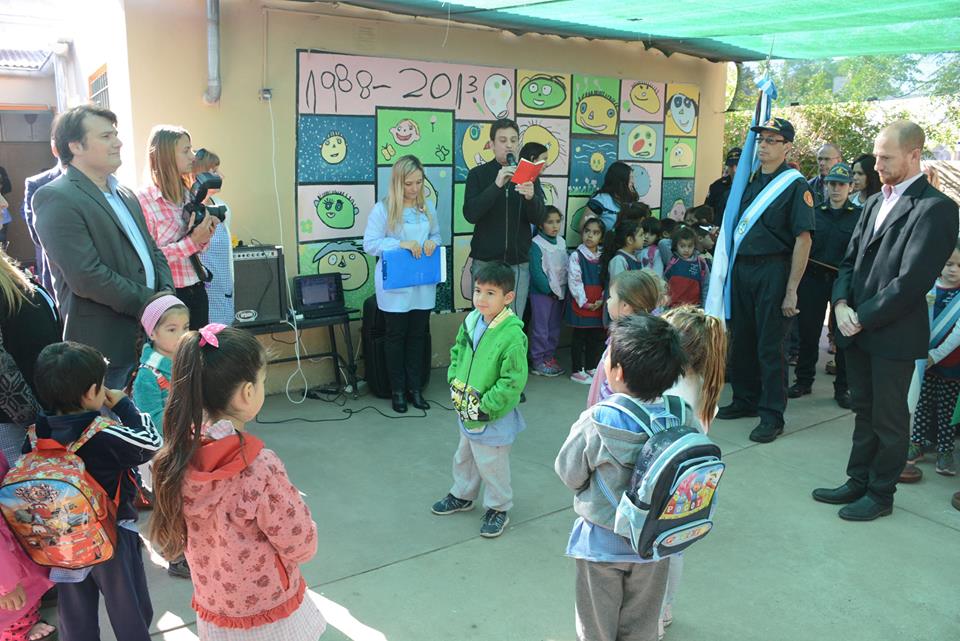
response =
{"points": [[511, 159]]}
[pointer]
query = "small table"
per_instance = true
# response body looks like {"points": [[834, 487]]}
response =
{"points": [[329, 322]]}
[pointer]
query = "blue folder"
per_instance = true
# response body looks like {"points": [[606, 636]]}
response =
{"points": [[401, 269]]}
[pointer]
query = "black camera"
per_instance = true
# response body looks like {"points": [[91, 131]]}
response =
{"points": [[198, 193]]}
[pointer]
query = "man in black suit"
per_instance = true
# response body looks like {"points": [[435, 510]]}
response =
{"points": [[903, 238], [30, 187]]}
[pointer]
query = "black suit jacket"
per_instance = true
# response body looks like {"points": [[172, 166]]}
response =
{"points": [[30, 187], [97, 273], [886, 275]]}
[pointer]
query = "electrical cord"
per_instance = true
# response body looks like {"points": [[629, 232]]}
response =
{"points": [[286, 283], [349, 413]]}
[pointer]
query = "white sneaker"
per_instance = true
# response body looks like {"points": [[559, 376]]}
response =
{"points": [[581, 377]]}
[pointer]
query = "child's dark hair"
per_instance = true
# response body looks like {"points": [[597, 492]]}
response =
{"points": [[614, 242], [205, 378], [63, 374], [550, 209], [648, 350], [496, 274], [700, 232], [703, 214], [599, 223], [682, 233], [532, 150], [667, 226], [651, 226], [634, 211]]}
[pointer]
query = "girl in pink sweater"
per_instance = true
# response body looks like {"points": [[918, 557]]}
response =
{"points": [[22, 583], [225, 500]]}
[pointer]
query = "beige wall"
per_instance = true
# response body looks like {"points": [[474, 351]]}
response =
{"points": [[167, 61], [28, 90]]}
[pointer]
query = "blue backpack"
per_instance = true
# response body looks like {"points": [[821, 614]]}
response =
{"points": [[669, 502]]}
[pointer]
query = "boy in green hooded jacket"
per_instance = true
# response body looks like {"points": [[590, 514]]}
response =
{"points": [[488, 370]]}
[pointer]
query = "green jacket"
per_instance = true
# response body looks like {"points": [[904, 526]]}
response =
{"points": [[485, 384]]}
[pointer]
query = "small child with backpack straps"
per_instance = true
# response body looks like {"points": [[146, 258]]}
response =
{"points": [[75, 492], [644, 483], [164, 319]]}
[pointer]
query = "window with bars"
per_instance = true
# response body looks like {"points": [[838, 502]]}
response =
{"points": [[99, 93]]}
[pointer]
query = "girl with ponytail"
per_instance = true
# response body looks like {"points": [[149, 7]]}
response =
{"points": [[225, 500], [705, 343]]}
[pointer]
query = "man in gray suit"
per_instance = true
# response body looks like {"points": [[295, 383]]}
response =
{"points": [[104, 263]]}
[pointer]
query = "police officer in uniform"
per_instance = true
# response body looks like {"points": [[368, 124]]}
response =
{"points": [[835, 221], [720, 188], [763, 292]]}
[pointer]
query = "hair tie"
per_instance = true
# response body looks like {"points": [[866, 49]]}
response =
{"points": [[156, 309], [208, 334]]}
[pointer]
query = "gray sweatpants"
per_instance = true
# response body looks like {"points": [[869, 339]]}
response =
{"points": [[473, 462], [619, 601]]}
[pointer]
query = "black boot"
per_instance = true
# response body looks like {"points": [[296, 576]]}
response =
{"points": [[399, 403], [416, 399]]}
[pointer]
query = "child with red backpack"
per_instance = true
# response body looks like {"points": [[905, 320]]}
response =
{"points": [[687, 273], [22, 584], [165, 318], [70, 382]]}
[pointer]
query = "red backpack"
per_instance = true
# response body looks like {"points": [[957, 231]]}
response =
{"points": [[59, 513]]}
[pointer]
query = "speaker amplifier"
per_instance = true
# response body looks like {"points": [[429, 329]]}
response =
{"points": [[259, 285]]}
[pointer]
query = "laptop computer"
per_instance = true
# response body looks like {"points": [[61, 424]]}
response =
{"points": [[319, 295]]}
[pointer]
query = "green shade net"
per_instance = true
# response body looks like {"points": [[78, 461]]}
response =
{"points": [[736, 30]]}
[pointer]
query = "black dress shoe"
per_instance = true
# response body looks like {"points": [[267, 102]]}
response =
{"points": [[766, 432], [864, 509], [399, 403], [838, 495], [843, 399], [798, 390], [416, 399], [732, 411], [523, 397]]}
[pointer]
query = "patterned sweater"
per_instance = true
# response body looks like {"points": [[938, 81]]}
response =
{"points": [[248, 531]]}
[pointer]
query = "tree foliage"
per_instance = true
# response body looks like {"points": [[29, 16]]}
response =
{"points": [[851, 117]]}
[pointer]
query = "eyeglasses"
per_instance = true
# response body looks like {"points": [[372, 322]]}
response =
{"points": [[826, 158], [769, 140]]}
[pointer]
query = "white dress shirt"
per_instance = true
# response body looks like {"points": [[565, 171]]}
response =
{"points": [[891, 194]]}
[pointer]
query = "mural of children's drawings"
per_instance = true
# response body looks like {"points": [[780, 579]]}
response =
{"points": [[358, 114], [345, 257], [683, 108]]}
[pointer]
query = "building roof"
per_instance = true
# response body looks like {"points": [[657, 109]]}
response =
{"points": [[736, 30], [23, 59]]}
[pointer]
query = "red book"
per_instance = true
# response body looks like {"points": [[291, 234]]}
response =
{"points": [[527, 171]]}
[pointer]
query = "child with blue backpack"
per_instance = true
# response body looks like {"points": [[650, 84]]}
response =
{"points": [[619, 594]]}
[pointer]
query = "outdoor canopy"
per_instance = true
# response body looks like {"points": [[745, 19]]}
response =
{"points": [[736, 30]]}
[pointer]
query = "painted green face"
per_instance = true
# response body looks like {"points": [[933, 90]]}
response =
{"points": [[543, 92], [336, 210], [351, 263]]}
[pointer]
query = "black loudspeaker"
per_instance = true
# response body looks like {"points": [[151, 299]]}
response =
{"points": [[373, 337], [259, 285]]}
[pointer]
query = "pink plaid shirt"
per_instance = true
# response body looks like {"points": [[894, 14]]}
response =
{"points": [[166, 225]]}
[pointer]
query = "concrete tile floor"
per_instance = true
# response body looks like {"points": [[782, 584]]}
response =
{"points": [[778, 567]]}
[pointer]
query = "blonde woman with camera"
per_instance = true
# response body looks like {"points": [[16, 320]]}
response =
{"points": [[170, 160]]}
